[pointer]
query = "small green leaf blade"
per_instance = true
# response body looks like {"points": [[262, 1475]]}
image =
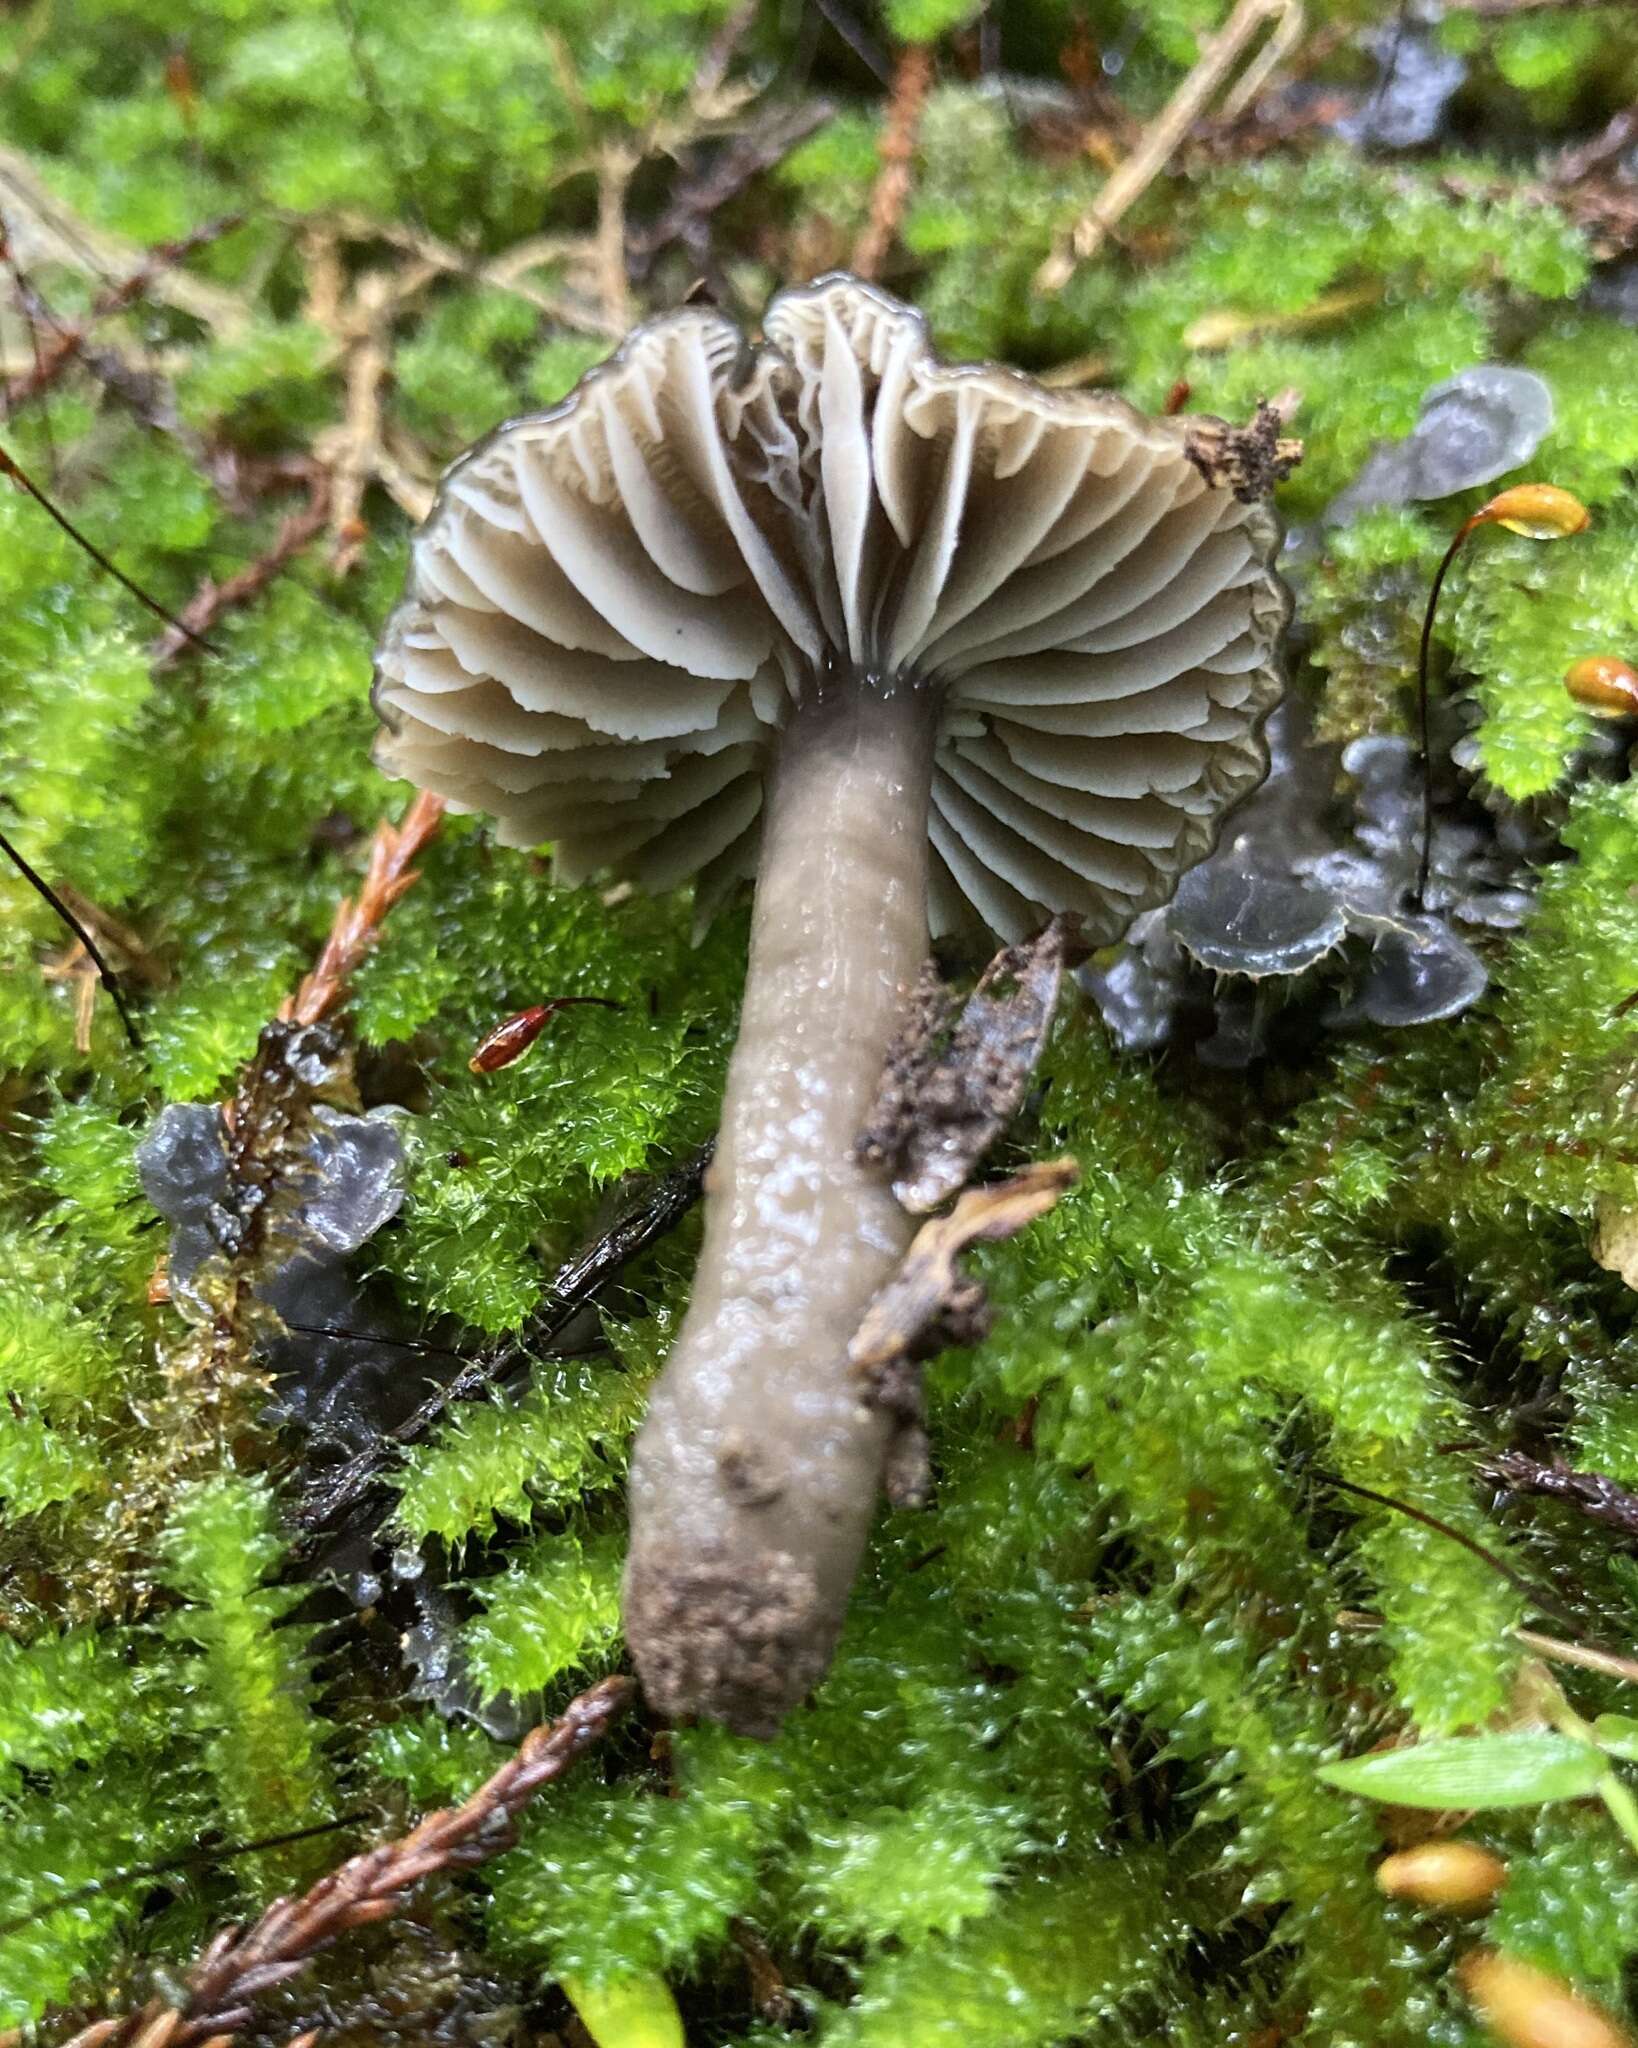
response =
{"points": [[1475, 1772], [1618, 1736]]}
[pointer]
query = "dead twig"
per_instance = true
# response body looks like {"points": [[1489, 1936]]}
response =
{"points": [[352, 452], [358, 921], [1584, 1656], [1219, 55], [696, 199], [240, 1964], [67, 344], [26, 484], [1599, 1498], [212, 599], [506, 271], [912, 81], [1498, 10], [930, 1304], [53, 231], [80, 929], [576, 1285], [616, 165]]}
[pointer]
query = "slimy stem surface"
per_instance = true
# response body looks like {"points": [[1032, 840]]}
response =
{"points": [[756, 1473]]}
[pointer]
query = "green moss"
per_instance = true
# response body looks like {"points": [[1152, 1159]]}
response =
{"points": [[1061, 1782]]}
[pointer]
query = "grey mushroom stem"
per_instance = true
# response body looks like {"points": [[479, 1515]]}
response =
{"points": [[756, 1473]]}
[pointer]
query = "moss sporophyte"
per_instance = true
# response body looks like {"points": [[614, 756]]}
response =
{"points": [[918, 646]]}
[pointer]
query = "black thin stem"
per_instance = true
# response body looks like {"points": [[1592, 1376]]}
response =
{"points": [[1538, 1596], [578, 1284], [110, 980], [182, 1860], [8, 467], [1424, 714]]}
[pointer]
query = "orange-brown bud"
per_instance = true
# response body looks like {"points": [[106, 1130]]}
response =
{"points": [[1604, 683], [1526, 2008], [1538, 511], [1453, 1874]]}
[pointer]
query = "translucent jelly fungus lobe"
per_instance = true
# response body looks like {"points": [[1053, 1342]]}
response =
{"points": [[918, 646]]}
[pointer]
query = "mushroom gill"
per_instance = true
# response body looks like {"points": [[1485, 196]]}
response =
{"points": [[908, 641]]}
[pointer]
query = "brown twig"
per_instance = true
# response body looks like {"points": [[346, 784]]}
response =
{"points": [[241, 1964], [912, 80], [212, 599], [1599, 1498], [616, 165], [59, 235], [68, 343], [81, 930], [1219, 54], [930, 1304], [358, 920], [1498, 10], [27, 485], [575, 1286], [353, 450], [697, 198]]}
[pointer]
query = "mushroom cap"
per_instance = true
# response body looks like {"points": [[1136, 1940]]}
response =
{"points": [[614, 604]]}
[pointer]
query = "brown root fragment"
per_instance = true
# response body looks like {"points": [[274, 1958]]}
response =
{"points": [[929, 1304], [240, 1964], [944, 1100], [1248, 460]]}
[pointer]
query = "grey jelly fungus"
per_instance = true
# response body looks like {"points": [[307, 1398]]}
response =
{"points": [[919, 646]]}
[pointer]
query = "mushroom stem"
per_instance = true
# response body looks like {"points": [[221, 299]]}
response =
{"points": [[756, 1473]]}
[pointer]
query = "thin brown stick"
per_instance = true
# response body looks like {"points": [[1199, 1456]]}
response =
{"points": [[912, 80], [240, 1964], [615, 166], [212, 599], [357, 921], [353, 450], [1219, 54], [67, 343], [26, 484], [1584, 1656], [1599, 1498], [55, 233]]}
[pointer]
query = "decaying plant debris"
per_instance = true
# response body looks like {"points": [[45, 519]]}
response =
{"points": [[1347, 1168], [241, 1964]]}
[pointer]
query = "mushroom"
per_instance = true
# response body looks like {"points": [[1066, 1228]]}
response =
{"points": [[912, 643]]}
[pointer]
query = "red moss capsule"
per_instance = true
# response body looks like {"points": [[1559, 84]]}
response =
{"points": [[513, 1036], [181, 86], [1605, 684], [1450, 1874]]}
